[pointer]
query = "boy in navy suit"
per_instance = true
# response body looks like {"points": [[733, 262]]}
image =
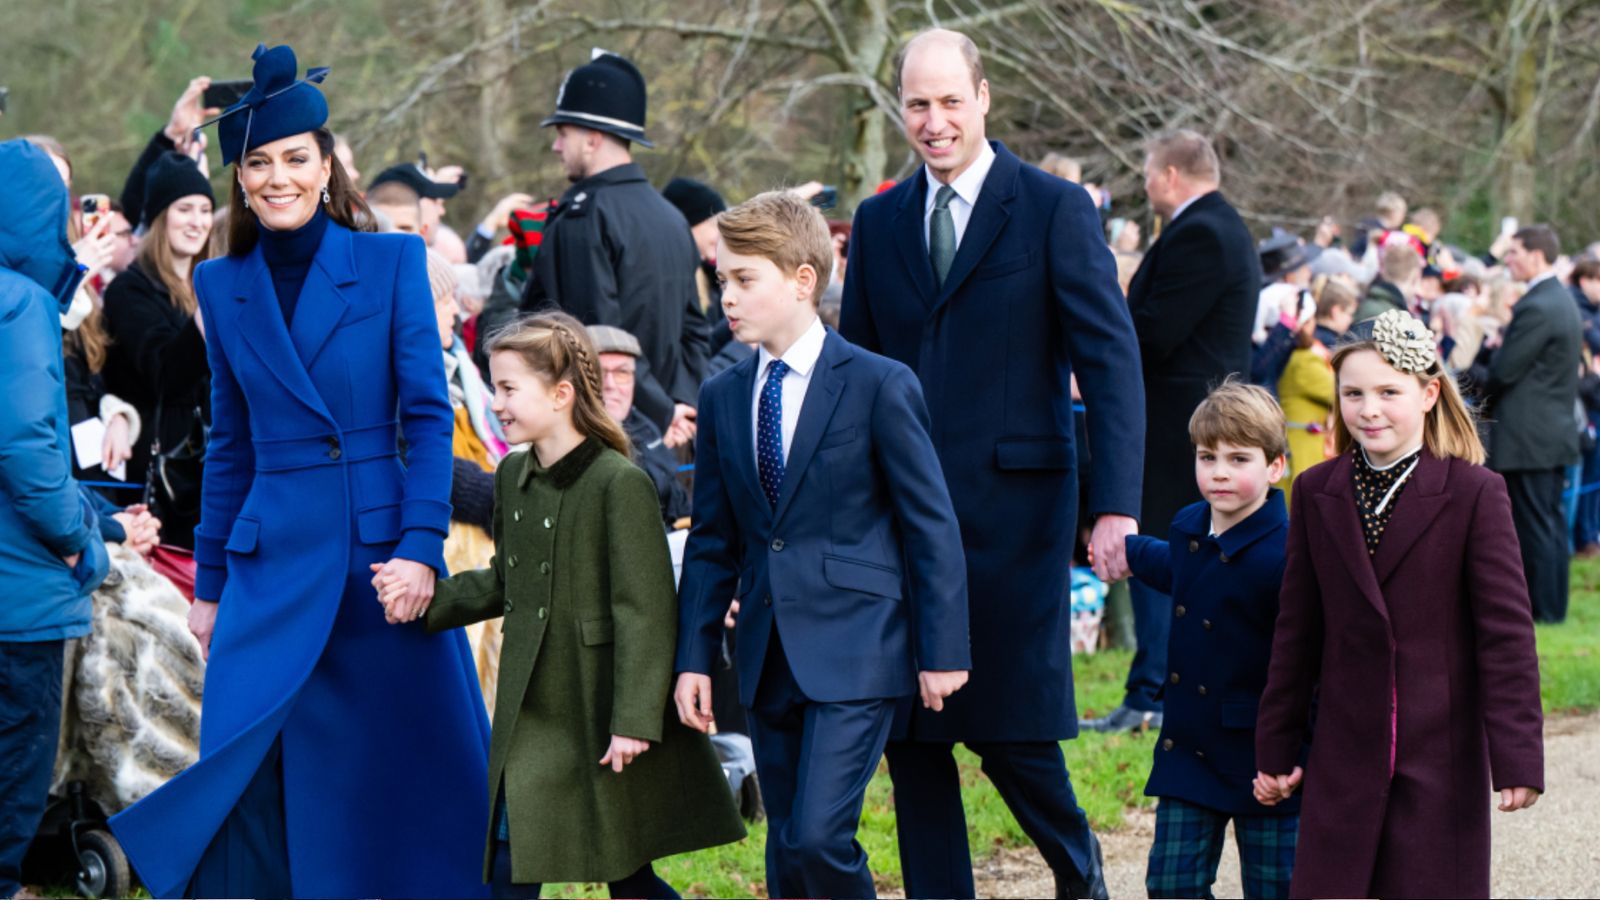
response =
{"points": [[1222, 564], [821, 509]]}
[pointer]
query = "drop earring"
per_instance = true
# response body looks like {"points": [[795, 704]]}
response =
{"points": [[325, 198], [244, 197]]}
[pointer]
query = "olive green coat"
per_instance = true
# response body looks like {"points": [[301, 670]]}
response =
{"points": [[582, 575]]}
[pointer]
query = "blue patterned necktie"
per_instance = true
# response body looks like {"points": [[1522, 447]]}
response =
{"points": [[769, 431]]}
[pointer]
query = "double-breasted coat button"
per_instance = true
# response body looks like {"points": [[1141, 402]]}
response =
{"points": [[1200, 753], [544, 568], [1166, 744], [516, 515], [1173, 678], [767, 599], [1180, 611], [509, 604], [512, 562], [777, 545], [1206, 624], [333, 448], [1194, 546], [1202, 690], [549, 522], [541, 612], [1223, 557]]}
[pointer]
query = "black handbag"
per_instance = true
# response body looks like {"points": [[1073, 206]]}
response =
{"points": [[172, 483]]}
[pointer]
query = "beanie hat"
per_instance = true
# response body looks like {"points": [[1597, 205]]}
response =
{"points": [[170, 178], [697, 201]]}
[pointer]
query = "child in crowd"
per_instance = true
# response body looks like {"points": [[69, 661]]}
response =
{"points": [[590, 777], [1404, 606], [1222, 563], [819, 503]]}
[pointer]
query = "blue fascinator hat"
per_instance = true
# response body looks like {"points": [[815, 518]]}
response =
{"points": [[278, 105]]}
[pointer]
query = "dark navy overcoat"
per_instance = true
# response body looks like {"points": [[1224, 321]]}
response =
{"points": [[1224, 591], [1030, 300], [385, 740]]}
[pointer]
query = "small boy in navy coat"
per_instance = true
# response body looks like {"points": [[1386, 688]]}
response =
{"points": [[1222, 564], [821, 510]]}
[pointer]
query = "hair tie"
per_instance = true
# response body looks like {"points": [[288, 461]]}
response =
{"points": [[1405, 342]]}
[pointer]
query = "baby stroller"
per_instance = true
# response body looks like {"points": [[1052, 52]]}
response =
{"points": [[131, 720]]}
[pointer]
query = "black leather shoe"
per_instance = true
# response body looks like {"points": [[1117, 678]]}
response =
{"points": [[1123, 718], [1091, 884]]}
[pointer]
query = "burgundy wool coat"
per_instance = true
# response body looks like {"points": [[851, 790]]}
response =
{"points": [[1429, 682]]}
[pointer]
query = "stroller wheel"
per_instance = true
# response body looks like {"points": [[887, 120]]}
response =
{"points": [[102, 866], [751, 807]]}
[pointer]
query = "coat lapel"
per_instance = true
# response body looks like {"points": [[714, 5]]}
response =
{"points": [[821, 398], [1337, 506], [908, 237], [1419, 503], [332, 268], [989, 217], [261, 320]]}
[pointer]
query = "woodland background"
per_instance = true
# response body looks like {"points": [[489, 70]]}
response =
{"points": [[1481, 108]]}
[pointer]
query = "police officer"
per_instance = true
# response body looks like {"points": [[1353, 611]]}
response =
{"points": [[615, 252]]}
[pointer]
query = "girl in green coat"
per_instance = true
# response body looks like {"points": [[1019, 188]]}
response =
{"points": [[591, 776]]}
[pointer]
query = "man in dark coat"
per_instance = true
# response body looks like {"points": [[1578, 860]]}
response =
{"points": [[1533, 392], [1193, 302], [992, 281], [616, 252]]}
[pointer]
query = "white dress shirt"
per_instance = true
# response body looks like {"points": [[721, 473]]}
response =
{"points": [[967, 185], [1550, 273], [801, 358], [1183, 206]]}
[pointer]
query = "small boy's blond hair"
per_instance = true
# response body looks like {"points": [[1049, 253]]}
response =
{"points": [[1242, 415], [783, 228]]}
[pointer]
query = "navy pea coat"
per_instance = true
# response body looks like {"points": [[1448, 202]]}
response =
{"points": [[1030, 300], [385, 738], [1224, 593]]}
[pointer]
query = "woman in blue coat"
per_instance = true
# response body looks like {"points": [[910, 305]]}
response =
{"points": [[339, 756]]}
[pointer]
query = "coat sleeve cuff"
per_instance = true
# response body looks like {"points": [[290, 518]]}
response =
{"points": [[209, 552], [209, 581], [428, 515], [424, 546]]}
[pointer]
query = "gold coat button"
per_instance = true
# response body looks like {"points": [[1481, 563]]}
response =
{"points": [[1202, 690], [1180, 611], [1193, 546], [1224, 558], [1166, 744], [1173, 678]]}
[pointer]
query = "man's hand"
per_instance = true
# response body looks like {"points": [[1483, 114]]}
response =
{"points": [[682, 429], [405, 588], [501, 214], [1271, 789], [188, 113], [1513, 799], [693, 698], [935, 686], [1108, 546], [623, 750], [202, 618]]}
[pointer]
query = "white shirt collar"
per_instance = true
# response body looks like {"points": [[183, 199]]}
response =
{"points": [[1538, 278], [1186, 204], [802, 355], [968, 183]]}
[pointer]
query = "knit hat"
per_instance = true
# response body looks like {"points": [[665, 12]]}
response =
{"points": [[276, 106], [606, 94], [610, 339], [170, 178], [527, 233], [696, 200]]}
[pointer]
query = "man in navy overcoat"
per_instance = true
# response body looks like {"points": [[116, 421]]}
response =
{"points": [[991, 280]]}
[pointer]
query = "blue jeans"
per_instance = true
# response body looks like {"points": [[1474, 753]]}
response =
{"points": [[30, 724], [1152, 622]]}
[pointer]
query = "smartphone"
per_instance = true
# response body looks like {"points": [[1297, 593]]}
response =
{"points": [[94, 207], [223, 94], [827, 198], [1508, 226]]}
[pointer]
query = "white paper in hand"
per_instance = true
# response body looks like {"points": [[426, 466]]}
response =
{"points": [[88, 437]]}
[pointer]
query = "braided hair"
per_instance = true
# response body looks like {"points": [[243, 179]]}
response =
{"points": [[557, 348]]}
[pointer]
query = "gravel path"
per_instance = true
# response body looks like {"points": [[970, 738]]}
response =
{"points": [[1548, 851]]}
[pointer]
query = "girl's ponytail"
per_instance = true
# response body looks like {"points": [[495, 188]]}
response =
{"points": [[557, 347]]}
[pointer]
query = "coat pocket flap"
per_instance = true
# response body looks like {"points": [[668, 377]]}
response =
{"points": [[379, 524], [243, 537], [1239, 713], [835, 438], [598, 631], [861, 576], [1004, 266], [1035, 453]]}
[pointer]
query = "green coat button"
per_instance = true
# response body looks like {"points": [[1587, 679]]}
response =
{"points": [[509, 605], [548, 522], [544, 568], [512, 562], [541, 612], [516, 516]]}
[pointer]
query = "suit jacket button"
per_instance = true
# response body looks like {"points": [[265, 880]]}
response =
{"points": [[1194, 546], [777, 545], [1223, 557], [1179, 611], [767, 599], [1173, 678], [1166, 744]]}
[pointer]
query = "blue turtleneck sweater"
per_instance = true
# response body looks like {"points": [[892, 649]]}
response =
{"points": [[288, 255]]}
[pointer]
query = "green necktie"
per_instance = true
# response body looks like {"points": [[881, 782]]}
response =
{"points": [[942, 235]]}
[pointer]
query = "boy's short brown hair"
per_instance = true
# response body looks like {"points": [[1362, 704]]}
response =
{"points": [[1242, 415], [783, 228]]}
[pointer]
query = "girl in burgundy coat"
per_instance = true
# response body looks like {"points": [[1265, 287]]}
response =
{"points": [[1404, 599]]}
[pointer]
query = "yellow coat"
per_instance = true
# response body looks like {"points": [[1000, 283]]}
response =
{"points": [[1306, 393]]}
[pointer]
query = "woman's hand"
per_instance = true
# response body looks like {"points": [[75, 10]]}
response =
{"points": [[96, 248], [1513, 799], [187, 114], [623, 750], [116, 448], [405, 588], [143, 530], [202, 618]]}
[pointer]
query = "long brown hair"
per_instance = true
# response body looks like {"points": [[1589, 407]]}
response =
{"points": [[156, 262], [90, 339], [345, 205], [1449, 429], [557, 348]]}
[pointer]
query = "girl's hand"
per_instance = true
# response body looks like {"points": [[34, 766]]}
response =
{"points": [[1513, 799], [623, 750], [1269, 789]]}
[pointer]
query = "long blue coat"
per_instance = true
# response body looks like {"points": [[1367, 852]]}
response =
{"points": [[385, 741], [1030, 299]]}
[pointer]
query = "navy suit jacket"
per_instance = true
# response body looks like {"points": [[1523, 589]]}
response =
{"points": [[1224, 604], [859, 564], [1030, 300]]}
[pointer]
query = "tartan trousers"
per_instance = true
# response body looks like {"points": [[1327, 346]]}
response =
{"points": [[1188, 847]]}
